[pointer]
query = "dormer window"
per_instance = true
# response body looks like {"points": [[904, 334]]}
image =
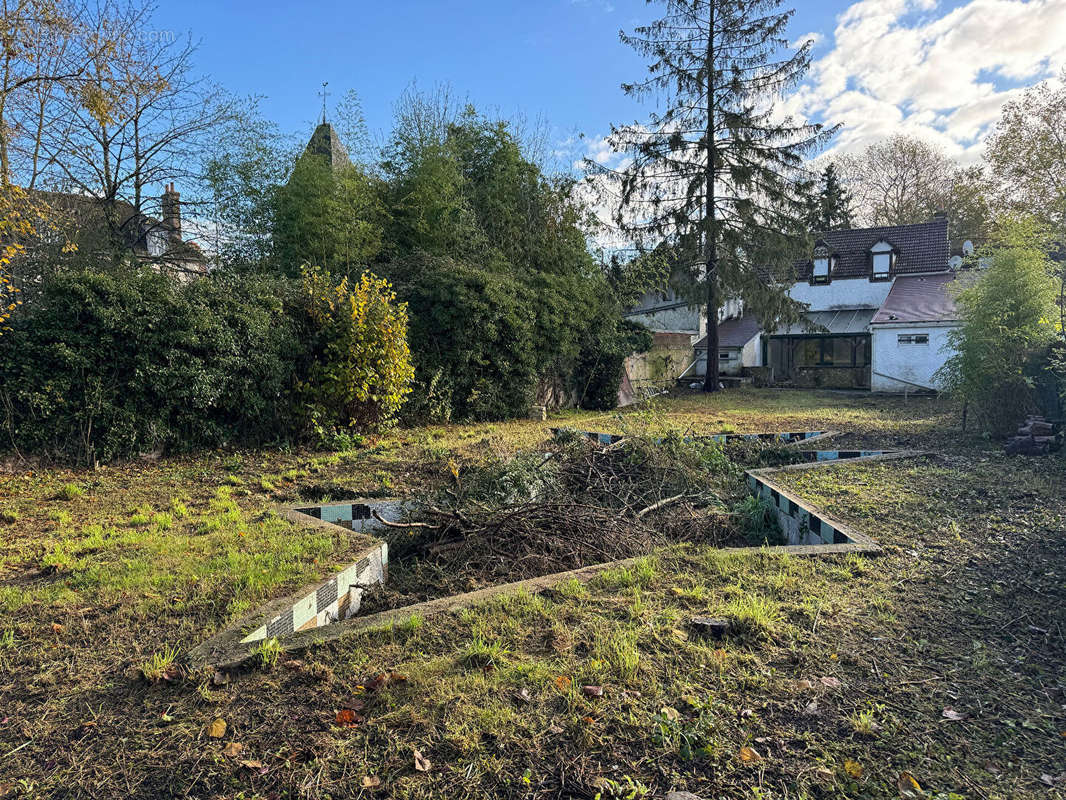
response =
{"points": [[822, 263], [882, 260]]}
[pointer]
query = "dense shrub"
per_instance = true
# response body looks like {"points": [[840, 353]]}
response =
{"points": [[359, 371], [1008, 321], [485, 341], [107, 365], [598, 372]]}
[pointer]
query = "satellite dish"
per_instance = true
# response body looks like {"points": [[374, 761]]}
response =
{"points": [[967, 248], [955, 262]]}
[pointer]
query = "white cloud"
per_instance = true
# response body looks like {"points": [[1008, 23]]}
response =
{"points": [[900, 66], [813, 37], [605, 5]]}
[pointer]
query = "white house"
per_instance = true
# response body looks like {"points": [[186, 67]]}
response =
{"points": [[879, 307], [878, 312]]}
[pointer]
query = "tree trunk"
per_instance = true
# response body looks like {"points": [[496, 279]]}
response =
{"points": [[710, 379]]}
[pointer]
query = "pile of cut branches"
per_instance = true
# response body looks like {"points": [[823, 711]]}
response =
{"points": [[575, 503]]}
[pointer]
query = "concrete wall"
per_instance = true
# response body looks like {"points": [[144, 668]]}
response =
{"points": [[910, 363], [843, 292], [659, 367], [674, 317]]}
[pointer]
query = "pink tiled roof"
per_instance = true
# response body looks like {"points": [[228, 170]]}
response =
{"points": [[919, 298]]}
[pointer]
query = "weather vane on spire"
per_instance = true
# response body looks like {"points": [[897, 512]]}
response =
{"points": [[324, 94]]}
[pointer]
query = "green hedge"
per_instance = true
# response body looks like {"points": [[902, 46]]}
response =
{"points": [[485, 340], [105, 365]]}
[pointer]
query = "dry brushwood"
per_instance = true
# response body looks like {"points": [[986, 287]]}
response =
{"points": [[580, 504]]}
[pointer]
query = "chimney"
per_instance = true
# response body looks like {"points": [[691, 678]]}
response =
{"points": [[940, 215], [172, 216]]}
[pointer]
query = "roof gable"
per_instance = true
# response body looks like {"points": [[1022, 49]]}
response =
{"points": [[919, 248]]}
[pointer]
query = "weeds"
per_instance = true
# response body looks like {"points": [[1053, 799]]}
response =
{"points": [[754, 615], [481, 654], [758, 520], [162, 665], [69, 491], [267, 652]]}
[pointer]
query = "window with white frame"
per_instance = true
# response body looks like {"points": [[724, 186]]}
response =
{"points": [[882, 259], [820, 271]]}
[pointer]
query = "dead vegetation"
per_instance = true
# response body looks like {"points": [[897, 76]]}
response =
{"points": [[570, 504], [937, 661]]}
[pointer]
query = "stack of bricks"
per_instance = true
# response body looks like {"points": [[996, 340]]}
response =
{"points": [[1036, 437]]}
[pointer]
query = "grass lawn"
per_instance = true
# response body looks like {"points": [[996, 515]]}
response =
{"points": [[940, 661]]}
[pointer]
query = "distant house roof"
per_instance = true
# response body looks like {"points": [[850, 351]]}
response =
{"points": [[918, 298], [922, 247], [735, 332]]}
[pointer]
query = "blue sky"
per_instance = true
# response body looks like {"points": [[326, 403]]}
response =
{"points": [[560, 59], [941, 70]]}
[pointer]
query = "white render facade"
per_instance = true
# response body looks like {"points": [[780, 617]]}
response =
{"points": [[879, 311]]}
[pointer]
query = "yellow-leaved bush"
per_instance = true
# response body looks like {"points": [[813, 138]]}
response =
{"points": [[15, 227], [361, 372]]}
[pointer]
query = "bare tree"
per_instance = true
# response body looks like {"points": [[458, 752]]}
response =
{"points": [[903, 180], [137, 119]]}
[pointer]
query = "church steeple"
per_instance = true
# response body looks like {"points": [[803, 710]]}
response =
{"points": [[326, 142]]}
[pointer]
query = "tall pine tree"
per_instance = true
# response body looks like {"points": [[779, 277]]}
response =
{"points": [[716, 173], [829, 208]]}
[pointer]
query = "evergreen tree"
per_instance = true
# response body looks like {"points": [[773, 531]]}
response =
{"points": [[830, 208], [716, 173]]}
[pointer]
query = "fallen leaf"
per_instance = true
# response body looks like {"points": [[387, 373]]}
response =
{"points": [[953, 715], [217, 728], [371, 781], [908, 786], [252, 764], [677, 590], [1047, 780], [746, 712], [294, 664], [522, 696], [347, 718], [592, 691], [57, 628], [422, 764], [589, 720], [853, 768], [830, 681], [803, 684], [397, 677], [353, 704], [748, 755], [233, 749], [562, 682], [376, 682], [824, 776], [812, 709], [555, 729], [670, 713]]}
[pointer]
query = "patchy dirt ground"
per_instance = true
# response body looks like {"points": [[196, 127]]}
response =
{"points": [[938, 663]]}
